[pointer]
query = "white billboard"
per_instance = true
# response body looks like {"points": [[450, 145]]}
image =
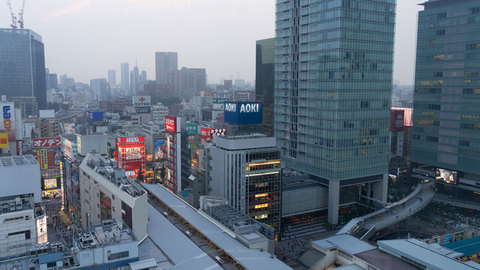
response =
{"points": [[141, 101]]}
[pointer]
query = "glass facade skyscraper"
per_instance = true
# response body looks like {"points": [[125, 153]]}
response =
{"points": [[22, 65], [333, 86], [446, 127], [265, 80]]}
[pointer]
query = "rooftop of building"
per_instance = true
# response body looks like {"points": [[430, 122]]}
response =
{"points": [[181, 252], [431, 256], [110, 233], [16, 161], [437, 3], [344, 242], [248, 258], [108, 169], [35, 35], [245, 142], [240, 223], [467, 247], [12, 204]]}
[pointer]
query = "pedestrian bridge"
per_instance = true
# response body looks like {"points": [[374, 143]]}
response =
{"points": [[366, 226]]}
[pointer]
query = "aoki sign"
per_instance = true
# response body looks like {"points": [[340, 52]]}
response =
{"points": [[243, 113]]}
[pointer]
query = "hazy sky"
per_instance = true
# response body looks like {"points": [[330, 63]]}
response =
{"points": [[85, 38]]}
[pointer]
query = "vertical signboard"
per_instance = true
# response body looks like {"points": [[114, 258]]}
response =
{"points": [[396, 120], [7, 121], [3, 140], [171, 123]]}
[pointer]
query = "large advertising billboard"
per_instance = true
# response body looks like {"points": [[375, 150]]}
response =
{"points": [[50, 183], [206, 133], [46, 158], [243, 113], [171, 123], [446, 176], [69, 129], [133, 153], [396, 120], [159, 148], [47, 142], [7, 121], [95, 116]]}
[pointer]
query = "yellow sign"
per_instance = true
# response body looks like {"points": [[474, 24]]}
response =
{"points": [[3, 140]]}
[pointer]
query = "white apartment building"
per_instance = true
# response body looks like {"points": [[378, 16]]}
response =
{"points": [[106, 194], [20, 190]]}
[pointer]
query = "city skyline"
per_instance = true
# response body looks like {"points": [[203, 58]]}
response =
{"points": [[98, 44]]}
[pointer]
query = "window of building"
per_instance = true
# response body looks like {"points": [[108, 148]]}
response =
{"points": [[474, 10], [365, 104], [438, 74], [118, 255], [442, 15], [441, 32], [464, 143]]}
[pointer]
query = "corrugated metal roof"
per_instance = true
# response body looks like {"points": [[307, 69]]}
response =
{"points": [[181, 250], [249, 258], [143, 264]]}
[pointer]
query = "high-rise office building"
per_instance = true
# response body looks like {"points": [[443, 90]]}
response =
{"points": [[165, 61], [265, 80], [333, 86], [134, 80], [112, 78], [22, 65], [125, 74], [100, 89], [446, 117]]}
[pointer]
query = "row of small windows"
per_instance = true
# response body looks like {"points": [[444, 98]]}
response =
{"points": [[427, 123], [471, 91], [462, 143], [469, 126], [472, 47], [470, 117]]}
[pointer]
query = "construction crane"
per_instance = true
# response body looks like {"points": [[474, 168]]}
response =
{"points": [[20, 15], [14, 16]]}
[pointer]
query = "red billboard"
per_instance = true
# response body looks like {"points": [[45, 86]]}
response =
{"points": [[396, 120], [46, 158], [131, 154], [47, 142], [171, 123], [206, 133]]}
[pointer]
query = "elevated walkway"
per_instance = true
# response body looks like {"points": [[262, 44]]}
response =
{"points": [[366, 226]]}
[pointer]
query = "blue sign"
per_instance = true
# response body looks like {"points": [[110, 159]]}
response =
{"points": [[243, 113], [95, 116]]}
